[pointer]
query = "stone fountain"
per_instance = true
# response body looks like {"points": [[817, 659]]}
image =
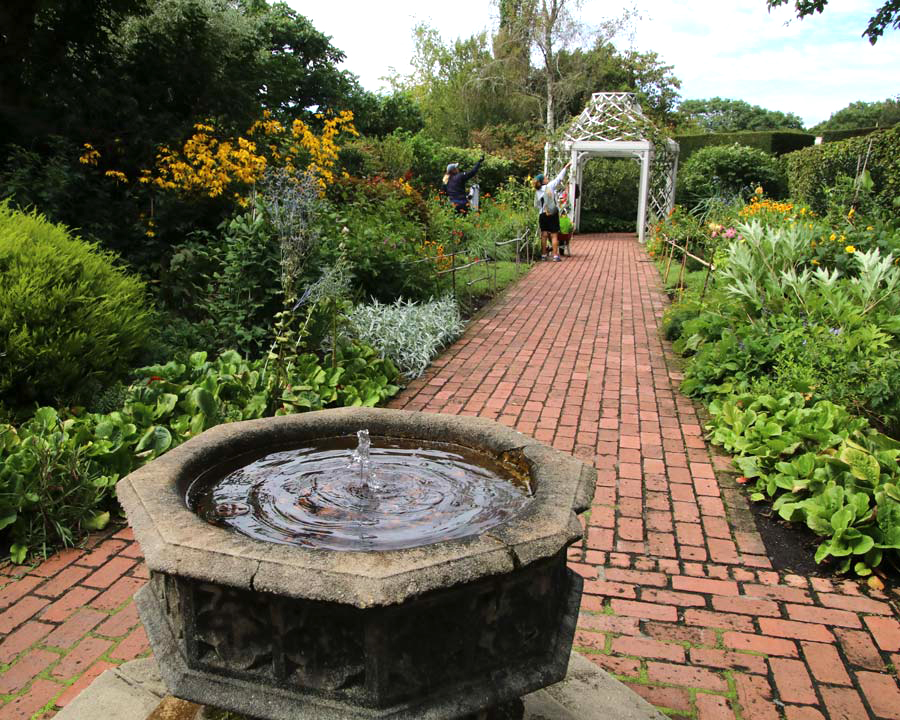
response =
{"points": [[286, 631]]}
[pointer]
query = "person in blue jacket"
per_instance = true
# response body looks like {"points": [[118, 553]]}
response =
{"points": [[455, 185]]}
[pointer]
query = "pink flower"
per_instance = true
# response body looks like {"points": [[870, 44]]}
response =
{"points": [[730, 233]]}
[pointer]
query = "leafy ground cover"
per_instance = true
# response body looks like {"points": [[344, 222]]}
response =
{"points": [[795, 347]]}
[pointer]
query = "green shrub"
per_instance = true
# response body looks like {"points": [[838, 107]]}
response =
{"points": [[424, 161], [70, 320], [239, 290], [813, 171], [379, 227], [856, 366], [727, 171], [430, 160]]}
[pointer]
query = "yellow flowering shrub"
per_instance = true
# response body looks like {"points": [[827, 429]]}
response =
{"points": [[764, 206], [207, 165], [322, 149]]}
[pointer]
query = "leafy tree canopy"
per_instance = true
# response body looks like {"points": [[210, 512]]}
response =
{"points": [[722, 115], [887, 16], [885, 113], [604, 69], [380, 115], [473, 90], [148, 69]]}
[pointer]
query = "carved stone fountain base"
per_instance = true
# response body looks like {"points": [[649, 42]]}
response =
{"points": [[443, 655]]}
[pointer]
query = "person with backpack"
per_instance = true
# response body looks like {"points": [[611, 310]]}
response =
{"points": [[548, 219]]}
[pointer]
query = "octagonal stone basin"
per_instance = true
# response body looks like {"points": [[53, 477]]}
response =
{"points": [[284, 632]]}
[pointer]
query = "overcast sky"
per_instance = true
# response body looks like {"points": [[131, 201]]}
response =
{"points": [[726, 48]]}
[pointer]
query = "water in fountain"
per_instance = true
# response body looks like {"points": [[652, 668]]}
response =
{"points": [[393, 495]]}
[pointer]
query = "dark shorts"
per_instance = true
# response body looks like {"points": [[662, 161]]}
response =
{"points": [[549, 223]]}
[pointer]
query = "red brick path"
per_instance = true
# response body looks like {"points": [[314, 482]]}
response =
{"points": [[680, 599]]}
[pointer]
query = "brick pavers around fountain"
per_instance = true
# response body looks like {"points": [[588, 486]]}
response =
{"points": [[680, 599]]}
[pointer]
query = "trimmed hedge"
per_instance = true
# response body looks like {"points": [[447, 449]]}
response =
{"points": [[838, 135], [69, 318], [812, 170], [774, 143]]}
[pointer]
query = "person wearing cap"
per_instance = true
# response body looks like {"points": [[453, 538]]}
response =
{"points": [[545, 204], [455, 185]]}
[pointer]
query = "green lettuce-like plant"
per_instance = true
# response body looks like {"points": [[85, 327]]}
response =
{"points": [[58, 470], [822, 467]]}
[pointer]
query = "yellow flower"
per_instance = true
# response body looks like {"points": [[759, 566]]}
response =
{"points": [[833, 237], [90, 156], [851, 213], [116, 175], [869, 228], [850, 249], [759, 190], [815, 262]]}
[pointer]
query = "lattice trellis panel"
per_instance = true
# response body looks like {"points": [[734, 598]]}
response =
{"points": [[617, 117], [611, 117]]}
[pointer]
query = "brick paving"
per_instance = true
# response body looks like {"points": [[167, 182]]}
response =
{"points": [[681, 602]]}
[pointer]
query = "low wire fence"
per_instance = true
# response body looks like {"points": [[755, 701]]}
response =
{"points": [[671, 247], [480, 257]]}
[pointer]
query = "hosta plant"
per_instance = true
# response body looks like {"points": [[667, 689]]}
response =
{"points": [[821, 467]]}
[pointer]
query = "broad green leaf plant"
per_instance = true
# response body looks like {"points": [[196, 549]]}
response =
{"points": [[58, 470], [822, 467]]}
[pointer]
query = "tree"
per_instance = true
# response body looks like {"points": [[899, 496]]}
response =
{"points": [[885, 113], [51, 52], [127, 76], [888, 15], [150, 68], [380, 115], [604, 68], [456, 84], [551, 27], [723, 115]]}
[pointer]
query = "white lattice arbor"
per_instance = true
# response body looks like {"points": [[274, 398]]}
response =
{"points": [[613, 125]]}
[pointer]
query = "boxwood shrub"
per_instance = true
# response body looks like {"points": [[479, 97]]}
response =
{"points": [[70, 320], [728, 171]]}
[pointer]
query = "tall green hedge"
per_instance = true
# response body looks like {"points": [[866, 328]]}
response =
{"points": [[812, 170], [838, 135], [69, 318], [774, 143]]}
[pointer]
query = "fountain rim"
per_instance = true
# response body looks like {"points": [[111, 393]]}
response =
{"points": [[176, 541]]}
